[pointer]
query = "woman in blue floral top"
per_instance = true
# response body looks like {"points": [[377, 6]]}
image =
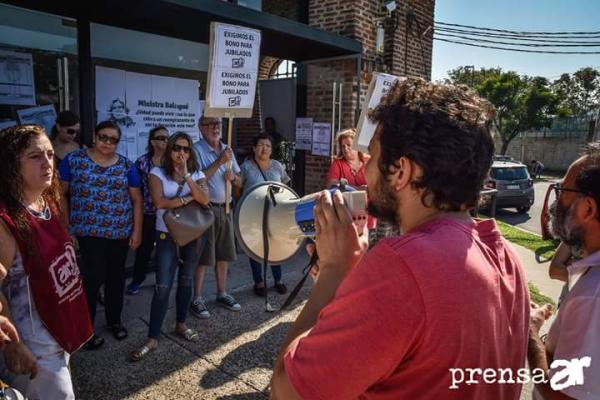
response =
{"points": [[157, 142], [106, 218]]}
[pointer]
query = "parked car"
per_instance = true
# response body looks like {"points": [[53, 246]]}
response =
{"points": [[501, 157], [514, 185]]}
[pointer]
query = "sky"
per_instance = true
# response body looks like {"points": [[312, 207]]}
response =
{"points": [[518, 15]]}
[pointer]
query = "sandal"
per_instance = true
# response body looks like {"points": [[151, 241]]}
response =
{"points": [[118, 331], [141, 353], [94, 343], [189, 334]]}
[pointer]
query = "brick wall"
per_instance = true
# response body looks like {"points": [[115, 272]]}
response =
{"points": [[354, 19]]}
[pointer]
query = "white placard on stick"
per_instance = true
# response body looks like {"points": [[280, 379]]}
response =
{"points": [[321, 140], [304, 133], [379, 86], [233, 70]]}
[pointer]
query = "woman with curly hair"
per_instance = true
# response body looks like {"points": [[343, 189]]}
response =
{"points": [[106, 218], [43, 293]]}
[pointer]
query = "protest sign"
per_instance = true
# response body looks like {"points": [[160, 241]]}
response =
{"points": [[379, 87], [233, 71]]}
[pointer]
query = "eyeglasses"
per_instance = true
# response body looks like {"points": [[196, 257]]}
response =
{"points": [[177, 148], [212, 124], [107, 139], [160, 138], [558, 188], [72, 131], [555, 188]]}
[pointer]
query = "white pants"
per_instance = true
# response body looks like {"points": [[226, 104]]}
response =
{"points": [[52, 382]]}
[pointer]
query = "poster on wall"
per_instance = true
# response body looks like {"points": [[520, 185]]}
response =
{"points": [[17, 86], [233, 70], [44, 116], [321, 139], [304, 132], [380, 85], [139, 102]]}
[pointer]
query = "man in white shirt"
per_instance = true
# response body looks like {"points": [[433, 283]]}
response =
{"points": [[570, 356], [219, 248]]}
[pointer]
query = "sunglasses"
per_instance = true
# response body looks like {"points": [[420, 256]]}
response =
{"points": [[72, 131], [177, 148], [107, 139], [160, 138]]}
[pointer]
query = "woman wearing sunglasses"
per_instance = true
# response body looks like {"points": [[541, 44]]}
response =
{"points": [[66, 134], [105, 216], [179, 182], [157, 142]]}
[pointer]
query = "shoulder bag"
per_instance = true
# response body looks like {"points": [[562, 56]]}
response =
{"points": [[188, 222]]}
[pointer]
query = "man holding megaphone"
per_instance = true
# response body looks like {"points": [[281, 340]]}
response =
{"points": [[398, 321]]}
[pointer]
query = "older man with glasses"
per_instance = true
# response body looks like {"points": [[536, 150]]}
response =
{"points": [[570, 355], [215, 158]]}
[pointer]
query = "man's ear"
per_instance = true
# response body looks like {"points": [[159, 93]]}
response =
{"points": [[588, 209], [402, 176]]}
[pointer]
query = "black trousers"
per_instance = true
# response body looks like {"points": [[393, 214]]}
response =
{"points": [[104, 264], [143, 253]]}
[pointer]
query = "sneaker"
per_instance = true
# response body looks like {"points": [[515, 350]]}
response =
{"points": [[199, 309], [227, 301], [133, 288]]}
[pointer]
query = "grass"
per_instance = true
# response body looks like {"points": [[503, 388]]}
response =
{"points": [[543, 249], [537, 297]]}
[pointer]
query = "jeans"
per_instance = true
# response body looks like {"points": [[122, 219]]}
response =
{"points": [[257, 272], [143, 253], [104, 264], [52, 382], [167, 263]]}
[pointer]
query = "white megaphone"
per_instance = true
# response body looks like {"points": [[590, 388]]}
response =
{"points": [[288, 221]]}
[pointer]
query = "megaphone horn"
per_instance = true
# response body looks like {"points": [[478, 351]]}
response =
{"points": [[290, 220]]}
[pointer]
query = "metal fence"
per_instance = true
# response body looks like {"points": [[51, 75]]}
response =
{"points": [[568, 127]]}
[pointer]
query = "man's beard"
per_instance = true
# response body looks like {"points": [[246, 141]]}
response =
{"points": [[564, 228], [382, 202]]}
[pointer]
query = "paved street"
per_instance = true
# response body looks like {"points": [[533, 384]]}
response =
{"points": [[531, 220]]}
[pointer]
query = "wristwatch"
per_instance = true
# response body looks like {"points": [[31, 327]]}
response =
{"points": [[187, 175]]}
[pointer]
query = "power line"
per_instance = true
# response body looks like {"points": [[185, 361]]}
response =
{"points": [[518, 50], [519, 32], [597, 44], [543, 39]]}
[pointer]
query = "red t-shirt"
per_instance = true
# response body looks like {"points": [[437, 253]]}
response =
{"points": [[449, 294]]}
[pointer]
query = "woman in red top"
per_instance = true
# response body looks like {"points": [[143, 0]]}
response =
{"points": [[350, 166]]}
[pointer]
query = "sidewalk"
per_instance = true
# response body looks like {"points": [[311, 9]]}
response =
{"points": [[232, 360], [236, 351]]}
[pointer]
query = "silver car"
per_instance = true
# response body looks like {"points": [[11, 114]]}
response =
{"points": [[514, 185]]}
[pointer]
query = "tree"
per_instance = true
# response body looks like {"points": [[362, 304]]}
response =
{"points": [[579, 93], [522, 103], [468, 75]]}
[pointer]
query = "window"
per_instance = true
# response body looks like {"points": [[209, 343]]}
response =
{"points": [[38, 66], [510, 174], [283, 69]]}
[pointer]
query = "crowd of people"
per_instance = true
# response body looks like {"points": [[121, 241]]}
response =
{"points": [[391, 321]]}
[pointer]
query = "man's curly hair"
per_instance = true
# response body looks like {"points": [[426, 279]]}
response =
{"points": [[445, 129]]}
